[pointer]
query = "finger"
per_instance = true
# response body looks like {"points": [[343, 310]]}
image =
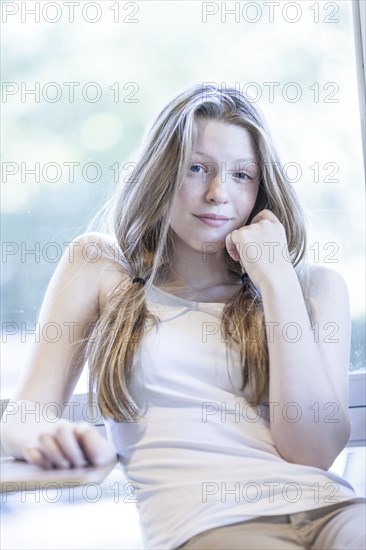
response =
{"points": [[34, 456], [51, 449], [67, 441], [95, 447], [231, 247], [264, 214]]}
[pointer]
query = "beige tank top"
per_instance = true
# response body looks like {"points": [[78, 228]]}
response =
{"points": [[201, 457]]}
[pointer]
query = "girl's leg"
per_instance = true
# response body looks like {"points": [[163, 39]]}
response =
{"points": [[336, 527], [341, 528], [264, 533]]}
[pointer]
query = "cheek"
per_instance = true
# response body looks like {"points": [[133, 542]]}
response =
{"points": [[185, 198], [247, 197], [245, 202], [181, 207]]}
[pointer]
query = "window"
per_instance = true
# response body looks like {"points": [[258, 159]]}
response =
{"points": [[70, 118]]}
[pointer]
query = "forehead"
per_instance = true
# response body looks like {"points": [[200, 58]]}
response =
{"points": [[223, 140]]}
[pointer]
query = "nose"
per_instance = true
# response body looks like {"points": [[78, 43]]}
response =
{"points": [[217, 190]]}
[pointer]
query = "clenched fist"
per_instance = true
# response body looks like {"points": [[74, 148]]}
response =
{"points": [[261, 248]]}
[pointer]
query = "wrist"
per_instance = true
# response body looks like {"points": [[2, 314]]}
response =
{"points": [[278, 279]]}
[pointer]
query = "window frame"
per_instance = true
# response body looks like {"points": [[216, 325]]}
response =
{"points": [[357, 381]]}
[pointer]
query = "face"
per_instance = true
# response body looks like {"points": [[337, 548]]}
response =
{"points": [[222, 180]]}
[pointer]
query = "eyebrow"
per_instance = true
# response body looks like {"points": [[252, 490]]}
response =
{"points": [[212, 158]]}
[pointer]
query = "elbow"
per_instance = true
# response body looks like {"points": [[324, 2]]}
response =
{"points": [[319, 453], [337, 443], [323, 461], [319, 458]]}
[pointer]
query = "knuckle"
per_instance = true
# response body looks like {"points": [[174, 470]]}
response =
{"points": [[27, 452], [88, 430], [61, 430], [44, 437], [82, 425]]}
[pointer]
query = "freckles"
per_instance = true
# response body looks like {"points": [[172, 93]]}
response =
{"points": [[187, 194], [245, 201], [181, 196]]}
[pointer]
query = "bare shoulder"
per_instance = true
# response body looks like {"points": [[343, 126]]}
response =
{"points": [[101, 252], [328, 292], [326, 280], [98, 247]]}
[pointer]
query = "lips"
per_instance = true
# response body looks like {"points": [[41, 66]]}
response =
{"points": [[213, 216], [213, 220]]}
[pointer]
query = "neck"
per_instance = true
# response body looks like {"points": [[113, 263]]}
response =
{"points": [[198, 270]]}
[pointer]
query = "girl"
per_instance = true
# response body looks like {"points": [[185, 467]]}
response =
{"points": [[195, 316]]}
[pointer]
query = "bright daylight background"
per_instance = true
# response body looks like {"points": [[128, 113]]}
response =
{"points": [[139, 62]]}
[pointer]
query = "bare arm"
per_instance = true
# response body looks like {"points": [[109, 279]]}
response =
{"points": [[308, 378], [309, 367], [54, 367]]}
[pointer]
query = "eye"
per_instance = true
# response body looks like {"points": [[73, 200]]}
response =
{"points": [[242, 176], [195, 168]]}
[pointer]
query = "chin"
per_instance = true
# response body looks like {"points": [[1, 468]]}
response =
{"points": [[210, 246]]}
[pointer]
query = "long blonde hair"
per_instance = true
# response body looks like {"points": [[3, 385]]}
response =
{"points": [[138, 219]]}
